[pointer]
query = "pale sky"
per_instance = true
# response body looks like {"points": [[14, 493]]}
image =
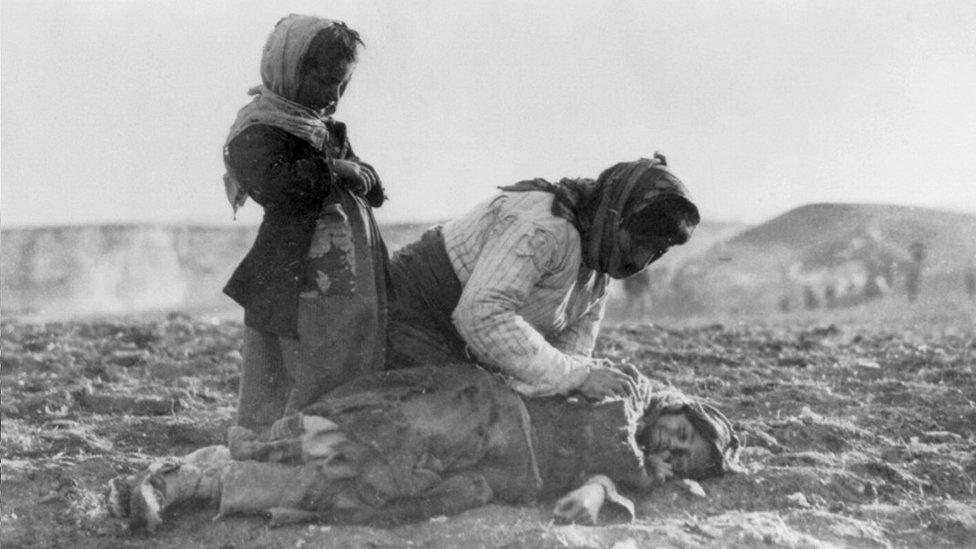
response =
{"points": [[116, 111]]}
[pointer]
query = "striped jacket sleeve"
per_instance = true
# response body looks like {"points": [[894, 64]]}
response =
{"points": [[579, 338], [511, 263]]}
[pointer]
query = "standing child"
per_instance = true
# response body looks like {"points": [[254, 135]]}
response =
{"points": [[313, 286]]}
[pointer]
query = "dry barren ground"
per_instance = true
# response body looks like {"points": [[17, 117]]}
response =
{"points": [[860, 431]]}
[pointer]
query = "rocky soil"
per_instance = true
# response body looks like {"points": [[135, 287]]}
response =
{"points": [[860, 431]]}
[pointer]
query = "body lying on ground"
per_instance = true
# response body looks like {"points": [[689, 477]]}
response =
{"points": [[409, 444]]}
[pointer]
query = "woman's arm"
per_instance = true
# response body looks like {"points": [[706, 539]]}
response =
{"points": [[508, 268], [579, 338]]}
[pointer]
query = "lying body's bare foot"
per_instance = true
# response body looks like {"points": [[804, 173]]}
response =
{"points": [[144, 497], [140, 498]]}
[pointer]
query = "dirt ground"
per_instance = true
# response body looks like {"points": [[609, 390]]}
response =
{"points": [[860, 431]]}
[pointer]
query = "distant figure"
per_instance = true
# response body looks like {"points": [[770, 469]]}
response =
{"points": [[637, 292], [313, 286], [872, 288], [970, 282], [830, 296], [784, 304], [913, 284], [810, 300]]}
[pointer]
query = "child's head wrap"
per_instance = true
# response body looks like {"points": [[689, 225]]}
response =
{"points": [[710, 423]]}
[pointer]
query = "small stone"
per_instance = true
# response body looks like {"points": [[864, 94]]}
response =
{"points": [[797, 499], [939, 437], [693, 488], [817, 500], [808, 416], [111, 403], [126, 358]]}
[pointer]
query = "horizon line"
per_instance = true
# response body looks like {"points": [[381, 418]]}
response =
{"points": [[255, 223]]}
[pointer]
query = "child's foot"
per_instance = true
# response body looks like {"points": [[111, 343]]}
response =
{"points": [[140, 498]]}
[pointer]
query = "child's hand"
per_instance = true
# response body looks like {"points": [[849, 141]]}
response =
{"points": [[660, 466], [353, 176]]}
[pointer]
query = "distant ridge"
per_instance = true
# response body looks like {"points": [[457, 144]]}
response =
{"points": [[819, 248], [805, 225]]}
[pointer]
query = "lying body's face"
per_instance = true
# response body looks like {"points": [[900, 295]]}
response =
{"points": [[689, 452]]}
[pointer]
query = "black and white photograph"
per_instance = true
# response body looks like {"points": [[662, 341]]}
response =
{"points": [[487, 274]]}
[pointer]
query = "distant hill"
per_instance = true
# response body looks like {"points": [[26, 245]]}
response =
{"points": [[819, 252]]}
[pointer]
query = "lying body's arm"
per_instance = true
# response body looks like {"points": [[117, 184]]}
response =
{"points": [[583, 504]]}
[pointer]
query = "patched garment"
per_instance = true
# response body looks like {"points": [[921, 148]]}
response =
{"points": [[331, 263], [528, 305]]}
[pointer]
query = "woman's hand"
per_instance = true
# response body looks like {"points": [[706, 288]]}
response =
{"points": [[606, 381], [353, 176]]}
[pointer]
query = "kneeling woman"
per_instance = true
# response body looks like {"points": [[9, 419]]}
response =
{"points": [[519, 283]]}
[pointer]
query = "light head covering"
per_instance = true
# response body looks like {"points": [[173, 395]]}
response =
{"points": [[597, 208], [285, 50], [274, 104], [707, 420]]}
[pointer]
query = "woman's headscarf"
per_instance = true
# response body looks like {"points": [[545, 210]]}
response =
{"points": [[596, 208], [274, 104]]}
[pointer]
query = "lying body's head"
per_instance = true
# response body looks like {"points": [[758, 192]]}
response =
{"points": [[695, 438]]}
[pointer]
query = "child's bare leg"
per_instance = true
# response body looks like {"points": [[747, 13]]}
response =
{"points": [[243, 485], [143, 497]]}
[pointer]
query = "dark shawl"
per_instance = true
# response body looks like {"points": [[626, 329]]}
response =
{"points": [[596, 208]]}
